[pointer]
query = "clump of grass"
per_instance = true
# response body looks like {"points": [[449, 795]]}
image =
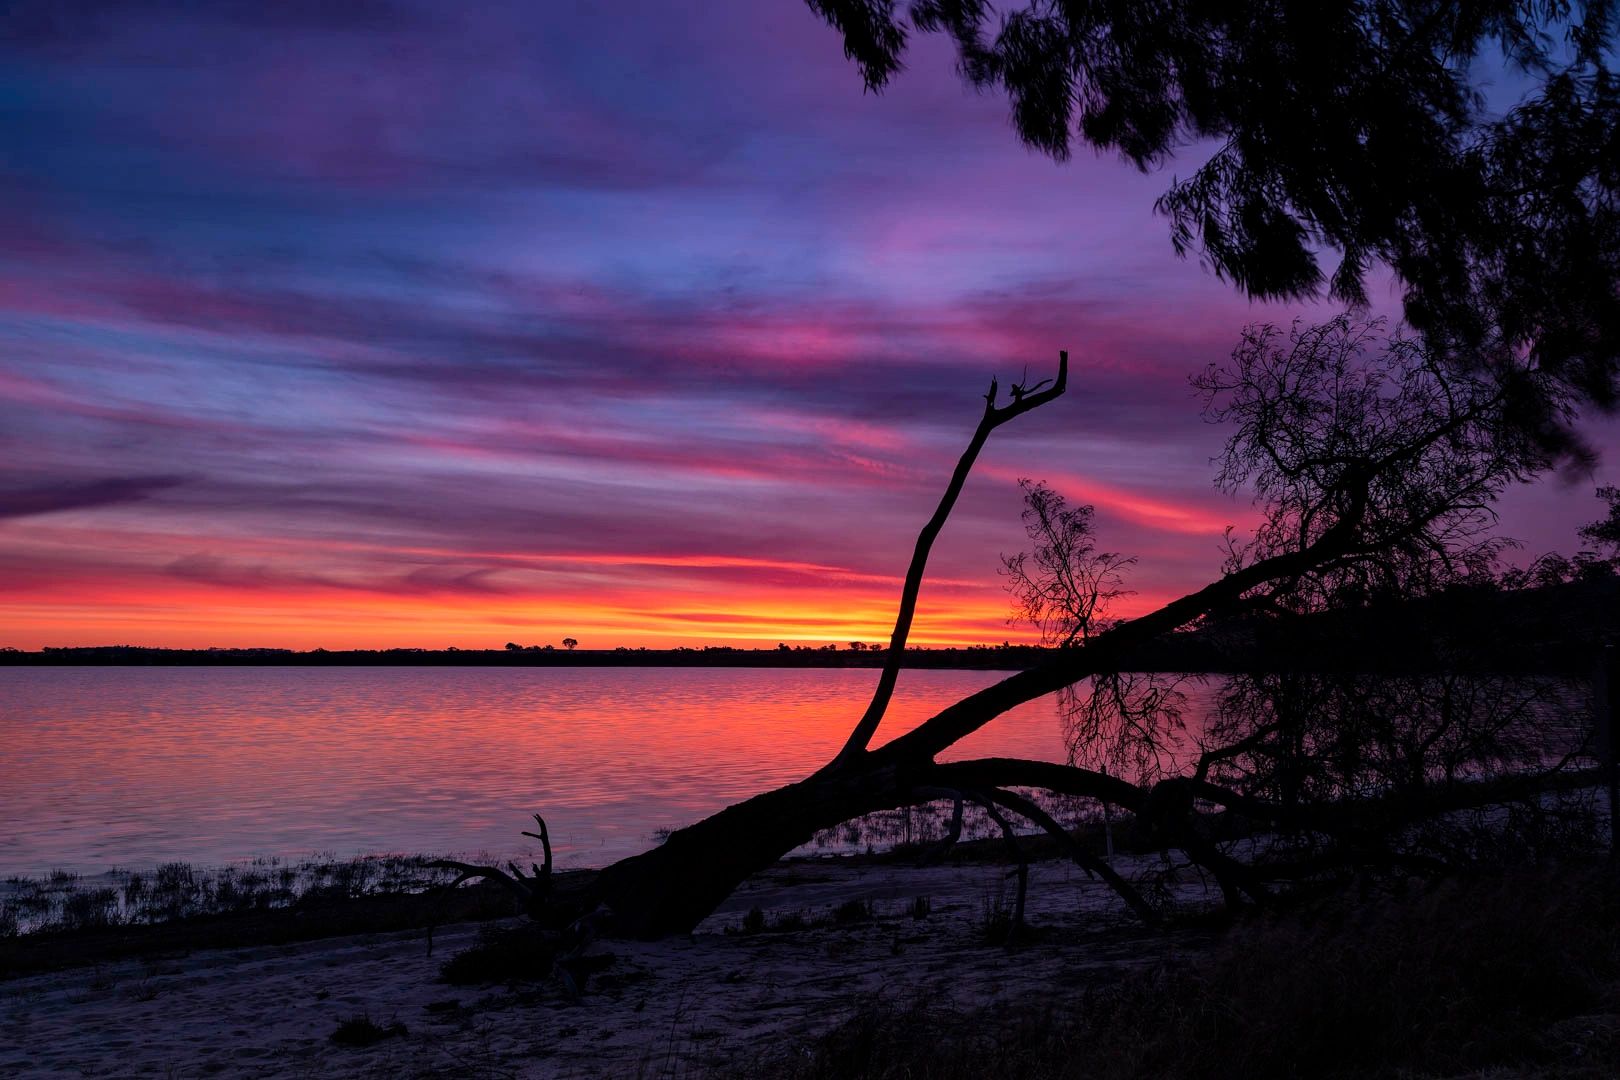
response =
{"points": [[921, 907], [852, 911], [787, 922], [502, 954], [61, 901], [525, 953], [176, 892], [28, 896], [790, 922], [362, 1031], [90, 908], [996, 918], [757, 922]]}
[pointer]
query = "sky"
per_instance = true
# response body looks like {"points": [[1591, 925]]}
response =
{"points": [[389, 324]]}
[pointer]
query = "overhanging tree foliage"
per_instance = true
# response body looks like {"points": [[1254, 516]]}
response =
{"points": [[1375, 466], [1604, 533], [1356, 130]]}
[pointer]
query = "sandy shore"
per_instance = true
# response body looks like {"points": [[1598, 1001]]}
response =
{"points": [[661, 1009]]}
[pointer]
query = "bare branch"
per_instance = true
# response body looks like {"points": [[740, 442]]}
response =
{"points": [[861, 737], [1081, 857], [542, 873], [1104, 652], [988, 801], [470, 871]]}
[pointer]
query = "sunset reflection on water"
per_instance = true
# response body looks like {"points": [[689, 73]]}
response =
{"points": [[132, 767]]}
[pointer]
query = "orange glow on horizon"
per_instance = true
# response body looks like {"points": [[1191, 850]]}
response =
{"points": [[129, 585], [195, 615]]}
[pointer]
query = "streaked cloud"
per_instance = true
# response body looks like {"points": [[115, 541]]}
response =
{"points": [[411, 323]]}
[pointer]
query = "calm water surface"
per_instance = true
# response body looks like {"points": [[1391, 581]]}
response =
{"points": [[137, 766]]}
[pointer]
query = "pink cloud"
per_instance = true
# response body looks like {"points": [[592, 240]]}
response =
{"points": [[1154, 512]]}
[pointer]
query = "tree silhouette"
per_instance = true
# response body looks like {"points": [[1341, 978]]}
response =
{"points": [[1356, 129], [1375, 466], [1605, 532], [1064, 586], [1599, 563], [570, 643]]}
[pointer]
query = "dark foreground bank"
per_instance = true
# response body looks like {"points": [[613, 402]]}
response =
{"points": [[1509, 975]]}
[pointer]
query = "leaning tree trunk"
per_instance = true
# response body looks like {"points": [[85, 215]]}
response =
{"points": [[671, 888]]}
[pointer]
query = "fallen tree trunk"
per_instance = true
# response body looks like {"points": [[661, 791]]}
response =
{"points": [[671, 888]]}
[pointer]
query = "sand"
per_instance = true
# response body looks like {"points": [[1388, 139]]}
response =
{"points": [[661, 1009]]}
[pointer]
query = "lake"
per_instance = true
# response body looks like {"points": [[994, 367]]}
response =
{"points": [[137, 766], [133, 767]]}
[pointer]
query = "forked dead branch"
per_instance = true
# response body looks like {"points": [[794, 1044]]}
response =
{"points": [[1376, 471]]}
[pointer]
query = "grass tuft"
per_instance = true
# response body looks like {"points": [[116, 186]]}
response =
{"points": [[853, 911], [362, 1031], [502, 954], [63, 902]]}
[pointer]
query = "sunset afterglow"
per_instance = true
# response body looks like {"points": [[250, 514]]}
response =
{"points": [[378, 335]]}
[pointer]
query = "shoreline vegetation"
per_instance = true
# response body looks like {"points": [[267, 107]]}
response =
{"points": [[61, 920], [874, 966], [973, 657], [123, 908], [1550, 629]]}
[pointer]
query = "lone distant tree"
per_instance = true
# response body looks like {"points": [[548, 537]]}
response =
{"points": [[569, 643], [512, 646], [1351, 130]]}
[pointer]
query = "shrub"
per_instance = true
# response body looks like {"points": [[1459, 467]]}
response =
{"points": [[502, 954]]}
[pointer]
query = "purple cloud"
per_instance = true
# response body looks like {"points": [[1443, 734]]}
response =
{"points": [[82, 494], [441, 303]]}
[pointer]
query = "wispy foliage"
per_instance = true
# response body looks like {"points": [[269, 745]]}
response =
{"points": [[1347, 435], [1354, 130], [1605, 532], [1063, 586]]}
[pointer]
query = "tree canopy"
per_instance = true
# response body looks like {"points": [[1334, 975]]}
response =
{"points": [[1357, 132], [1605, 532]]}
